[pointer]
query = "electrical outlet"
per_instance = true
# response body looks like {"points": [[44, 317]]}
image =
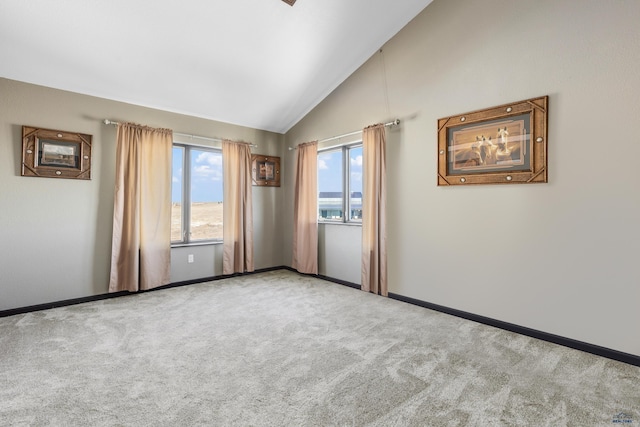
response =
{"points": [[190, 258]]}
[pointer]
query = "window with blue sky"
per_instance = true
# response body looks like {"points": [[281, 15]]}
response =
{"points": [[196, 194], [337, 178]]}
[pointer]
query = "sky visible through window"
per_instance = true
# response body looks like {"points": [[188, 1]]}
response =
{"points": [[206, 176], [355, 155], [330, 170]]}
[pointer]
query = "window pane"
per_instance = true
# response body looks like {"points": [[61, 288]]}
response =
{"points": [[176, 193], [330, 202], [206, 195], [355, 183]]}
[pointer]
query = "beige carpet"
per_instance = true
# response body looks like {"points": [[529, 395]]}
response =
{"points": [[281, 349]]}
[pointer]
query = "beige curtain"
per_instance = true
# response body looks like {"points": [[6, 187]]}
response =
{"points": [[374, 200], [305, 210], [141, 242], [237, 208]]}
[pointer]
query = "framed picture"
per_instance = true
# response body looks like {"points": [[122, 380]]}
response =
{"points": [[55, 153], [265, 170], [500, 145]]}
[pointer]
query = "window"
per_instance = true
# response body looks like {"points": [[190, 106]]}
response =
{"points": [[196, 194], [340, 173]]}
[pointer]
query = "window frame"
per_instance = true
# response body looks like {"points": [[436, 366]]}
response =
{"points": [[346, 184], [186, 195]]}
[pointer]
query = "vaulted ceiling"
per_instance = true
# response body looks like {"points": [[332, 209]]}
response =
{"points": [[257, 63]]}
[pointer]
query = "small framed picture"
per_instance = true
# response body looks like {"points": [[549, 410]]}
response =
{"points": [[55, 153], [265, 170], [499, 145]]}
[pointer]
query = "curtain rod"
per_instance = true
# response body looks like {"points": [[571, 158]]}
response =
{"points": [[393, 123], [206, 138]]}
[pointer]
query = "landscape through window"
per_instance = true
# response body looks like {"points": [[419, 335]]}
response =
{"points": [[196, 196]]}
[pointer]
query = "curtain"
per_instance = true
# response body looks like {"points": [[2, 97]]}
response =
{"points": [[305, 210], [141, 241], [374, 200], [237, 208]]}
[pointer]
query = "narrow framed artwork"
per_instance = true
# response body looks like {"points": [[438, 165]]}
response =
{"points": [[55, 153], [506, 144], [265, 170]]}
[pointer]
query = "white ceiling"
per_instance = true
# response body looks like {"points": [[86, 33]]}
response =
{"points": [[256, 63]]}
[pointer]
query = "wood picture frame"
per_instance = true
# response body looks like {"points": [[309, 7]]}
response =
{"points": [[265, 170], [55, 153], [506, 144]]}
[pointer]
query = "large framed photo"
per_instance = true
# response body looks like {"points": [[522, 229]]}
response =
{"points": [[506, 144], [265, 170], [55, 153]]}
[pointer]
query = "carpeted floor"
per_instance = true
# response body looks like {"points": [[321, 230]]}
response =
{"points": [[282, 349]]}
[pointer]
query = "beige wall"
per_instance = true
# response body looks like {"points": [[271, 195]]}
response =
{"points": [[337, 245], [558, 257], [55, 234]]}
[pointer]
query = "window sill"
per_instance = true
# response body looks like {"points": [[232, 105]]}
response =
{"points": [[349, 224], [186, 245]]}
